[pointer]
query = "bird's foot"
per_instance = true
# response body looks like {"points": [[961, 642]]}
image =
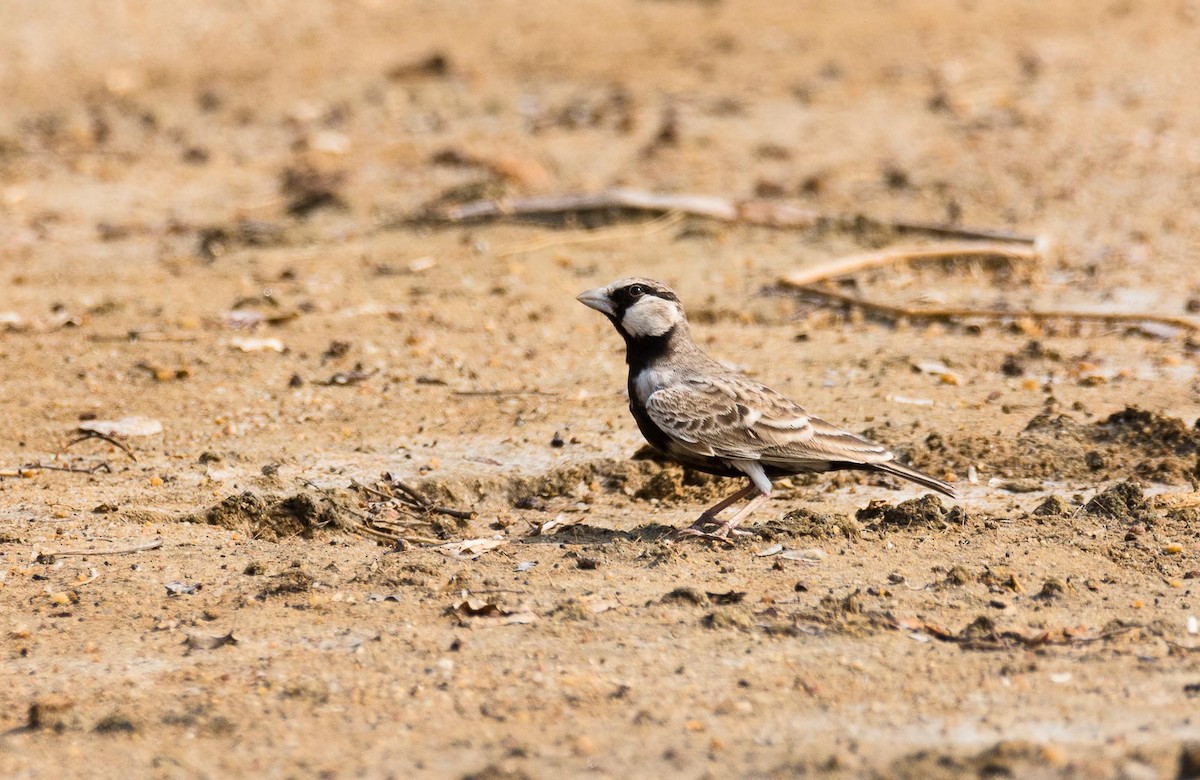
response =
{"points": [[722, 533], [696, 533]]}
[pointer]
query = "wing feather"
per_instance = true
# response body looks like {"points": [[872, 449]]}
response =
{"points": [[735, 417]]}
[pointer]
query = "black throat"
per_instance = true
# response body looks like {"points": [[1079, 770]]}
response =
{"points": [[641, 351]]}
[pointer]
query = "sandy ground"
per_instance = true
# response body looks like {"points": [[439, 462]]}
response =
{"points": [[202, 224]]}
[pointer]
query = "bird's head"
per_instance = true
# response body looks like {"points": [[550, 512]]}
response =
{"points": [[639, 308]]}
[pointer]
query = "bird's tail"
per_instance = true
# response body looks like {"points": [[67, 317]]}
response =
{"points": [[912, 475]]}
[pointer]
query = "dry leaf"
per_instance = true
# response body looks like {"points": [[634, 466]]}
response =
{"points": [[203, 642], [469, 549], [550, 526], [809, 555], [474, 607]]}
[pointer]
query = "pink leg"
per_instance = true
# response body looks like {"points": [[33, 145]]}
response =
{"points": [[710, 515], [729, 525]]}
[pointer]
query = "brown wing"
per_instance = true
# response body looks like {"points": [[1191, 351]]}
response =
{"points": [[735, 417]]}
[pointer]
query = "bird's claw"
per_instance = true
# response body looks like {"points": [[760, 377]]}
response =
{"points": [[720, 534]]}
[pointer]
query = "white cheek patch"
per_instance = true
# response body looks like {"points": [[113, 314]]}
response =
{"points": [[650, 316]]}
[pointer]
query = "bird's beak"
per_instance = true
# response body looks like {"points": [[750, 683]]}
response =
{"points": [[597, 299]]}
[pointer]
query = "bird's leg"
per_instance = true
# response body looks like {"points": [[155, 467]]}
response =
{"points": [[726, 528], [710, 515]]}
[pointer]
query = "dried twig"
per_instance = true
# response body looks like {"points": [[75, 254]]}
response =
{"points": [[418, 501], [957, 231], [894, 312], [86, 434], [151, 545], [30, 469], [409, 499], [845, 266], [620, 233], [767, 213], [762, 212], [721, 209], [368, 526]]}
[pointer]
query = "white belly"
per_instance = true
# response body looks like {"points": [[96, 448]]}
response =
{"points": [[651, 380]]}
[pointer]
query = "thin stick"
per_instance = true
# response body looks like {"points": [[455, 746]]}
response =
{"points": [[412, 497], [367, 489], [955, 231], [459, 514], [410, 492], [105, 437], [69, 469], [366, 525], [152, 545], [762, 212], [890, 311], [845, 266], [618, 233], [720, 209]]}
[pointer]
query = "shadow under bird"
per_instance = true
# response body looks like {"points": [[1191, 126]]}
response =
{"points": [[713, 419]]}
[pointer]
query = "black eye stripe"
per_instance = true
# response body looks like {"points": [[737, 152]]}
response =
{"points": [[627, 296]]}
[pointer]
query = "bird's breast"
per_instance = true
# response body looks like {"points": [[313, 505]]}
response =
{"points": [[647, 381]]}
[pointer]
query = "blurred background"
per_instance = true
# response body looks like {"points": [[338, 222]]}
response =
{"points": [[1068, 117]]}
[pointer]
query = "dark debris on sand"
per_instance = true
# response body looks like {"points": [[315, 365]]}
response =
{"points": [[271, 517], [926, 511], [806, 523], [1053, 445], [1122, 501]]}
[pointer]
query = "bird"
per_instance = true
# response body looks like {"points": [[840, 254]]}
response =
{"points": [[711, 418]]}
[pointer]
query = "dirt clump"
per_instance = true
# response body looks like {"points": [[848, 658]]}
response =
{"points": [[685, 595], [1004, 759], [1052, 506], [728, 618], [927, 510], [1055, 445], [1053, 589], [1122, 501], [957, 577], [401, 571], [806, 523], [574, 480], [271, 517], [287, 583], [1000, 579], [494, 772]]}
